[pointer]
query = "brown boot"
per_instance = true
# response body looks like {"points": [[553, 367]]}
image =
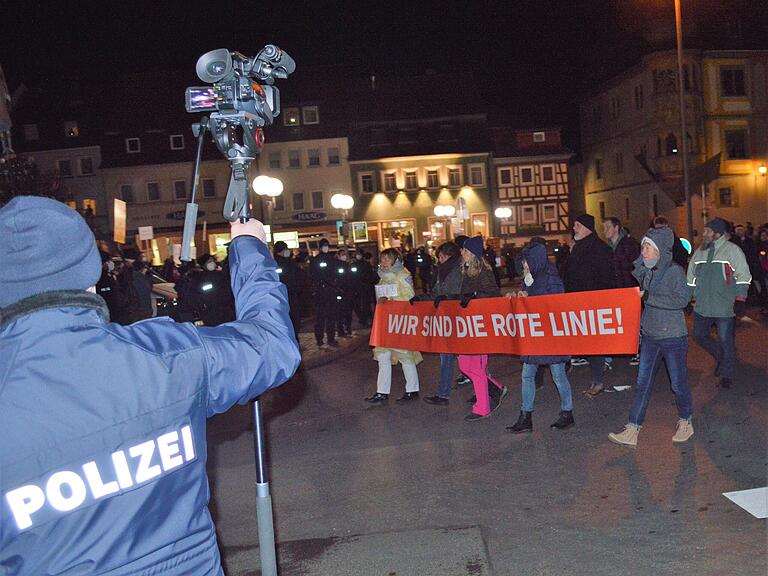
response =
{"points": [[626, 438]]}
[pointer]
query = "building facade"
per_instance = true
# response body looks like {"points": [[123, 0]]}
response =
{"points": [[311, 171], [396, 198], [532, 179], [632, 144]]}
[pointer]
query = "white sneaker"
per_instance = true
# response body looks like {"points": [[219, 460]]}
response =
{"points": [[579, 361]]}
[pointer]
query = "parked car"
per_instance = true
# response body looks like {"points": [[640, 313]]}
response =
{"points": [[164, 296]]}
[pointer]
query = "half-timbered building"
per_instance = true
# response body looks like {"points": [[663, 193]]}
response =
{"points": [[531, 179]]}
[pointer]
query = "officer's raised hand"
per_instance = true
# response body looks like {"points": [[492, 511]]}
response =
{"points": [[251, 227]]}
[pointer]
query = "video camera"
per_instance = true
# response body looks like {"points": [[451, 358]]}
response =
{"points": [[242, 100], [233, 90]]}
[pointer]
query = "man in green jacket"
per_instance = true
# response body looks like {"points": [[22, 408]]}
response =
{"points": [[720, 278]]}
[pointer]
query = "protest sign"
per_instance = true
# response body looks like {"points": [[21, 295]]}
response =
{"points": [[386, 290], [582, 323]]}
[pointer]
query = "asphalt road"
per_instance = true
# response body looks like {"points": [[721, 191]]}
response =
{"points": [[401, 490]]}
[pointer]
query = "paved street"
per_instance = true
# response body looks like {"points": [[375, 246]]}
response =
{"points": [[415, 490]]}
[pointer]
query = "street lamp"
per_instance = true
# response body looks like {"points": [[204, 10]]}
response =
{"points": [[503, 213], [268, 188], [343, 202], [684, 135], [445, 212]]}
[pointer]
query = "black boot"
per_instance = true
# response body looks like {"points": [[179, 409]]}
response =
{"points": [[377, 398], [407, 397], [565, 420], [524, 424]]}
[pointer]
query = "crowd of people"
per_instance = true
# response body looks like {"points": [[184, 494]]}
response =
{"points": [[728, 268], [88, 401], [713, 284]]}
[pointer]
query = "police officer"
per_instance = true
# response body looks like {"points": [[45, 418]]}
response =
{"points": [[347, 285], [325, 291], [424, 265], [489, 254], [210, 293], [109, 288], [363, 278], [103, 448], [292, 276]]}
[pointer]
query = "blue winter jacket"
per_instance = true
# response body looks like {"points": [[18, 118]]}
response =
{"points": [[102, 426], [546, 280]]}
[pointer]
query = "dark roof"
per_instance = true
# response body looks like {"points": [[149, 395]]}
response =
{"points": [[511, 142], [415, 115], [376, 99]]}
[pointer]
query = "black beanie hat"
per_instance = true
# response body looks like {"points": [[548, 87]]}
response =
{"points": [[586, 220], [718, 226]]}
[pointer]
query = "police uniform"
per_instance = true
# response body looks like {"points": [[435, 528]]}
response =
{"points": [[103, 444], [292, 276], [345, 281], [322, 273]]}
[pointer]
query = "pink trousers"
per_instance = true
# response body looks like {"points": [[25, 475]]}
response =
{"points": [[476, 367]]}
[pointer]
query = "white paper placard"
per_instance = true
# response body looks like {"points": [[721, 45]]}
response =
{"points": [[754, 501], [386, 290], [146, 233]]}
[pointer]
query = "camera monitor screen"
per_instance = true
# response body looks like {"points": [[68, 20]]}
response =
{"points": [[200, 99]]}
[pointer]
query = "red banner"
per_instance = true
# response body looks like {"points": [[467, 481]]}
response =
{"points": [[578, 323]]}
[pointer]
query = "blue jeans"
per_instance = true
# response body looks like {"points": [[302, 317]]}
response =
{"points": [[561, 381], [722, 348], [674, 352], [446, 375], [597, 366]]}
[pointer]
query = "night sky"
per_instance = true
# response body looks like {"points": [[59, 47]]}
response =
{"points": [[531, 57]]}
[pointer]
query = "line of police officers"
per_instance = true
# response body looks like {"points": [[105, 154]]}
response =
{"points": [[340, 284]]}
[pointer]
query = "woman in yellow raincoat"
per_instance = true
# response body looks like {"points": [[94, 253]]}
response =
{"points": [[391, 271]]}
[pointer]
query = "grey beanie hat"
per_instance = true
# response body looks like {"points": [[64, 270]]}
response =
{"points": [[44, 246]]}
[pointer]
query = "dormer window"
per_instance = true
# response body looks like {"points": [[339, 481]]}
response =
{"points": [[71, 129], [291, 117], [310, 115], [177, 141], [133, 145]]}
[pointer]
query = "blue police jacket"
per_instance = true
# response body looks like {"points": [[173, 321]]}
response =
{"points": [[102, 426]]}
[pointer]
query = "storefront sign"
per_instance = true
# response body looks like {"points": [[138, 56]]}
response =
{"points": [[290, 238], [309, 216], [180, 215], [359, 231]]}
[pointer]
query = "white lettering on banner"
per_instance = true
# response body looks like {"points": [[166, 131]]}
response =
{"points": [[588, 322], [67, 490], [437, 326]]}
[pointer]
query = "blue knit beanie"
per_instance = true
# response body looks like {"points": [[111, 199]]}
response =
{"points": [[475, 245], [44, 246]]}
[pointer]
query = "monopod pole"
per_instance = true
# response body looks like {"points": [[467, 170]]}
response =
{"points": [[263, 498]]}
